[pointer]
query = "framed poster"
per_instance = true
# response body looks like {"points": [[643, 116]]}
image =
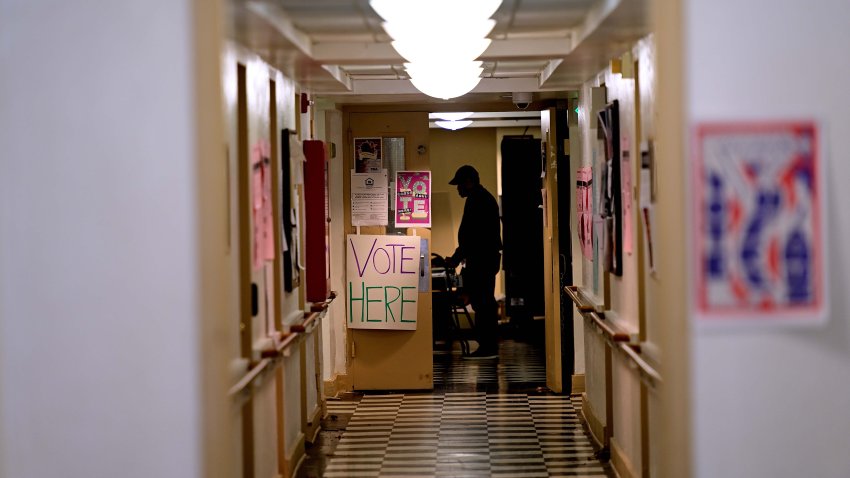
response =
{"points": [[412, 199], [367, 155], [758, 222], [382, 275], [612, 200]]}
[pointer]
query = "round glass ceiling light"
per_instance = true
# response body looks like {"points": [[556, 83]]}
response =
{"points": [[447, 68], [453, 125], [440, 50], [444, 88], [416, 29]]}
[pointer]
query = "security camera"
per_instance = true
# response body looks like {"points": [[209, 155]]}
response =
{"points": [[521, 100]]}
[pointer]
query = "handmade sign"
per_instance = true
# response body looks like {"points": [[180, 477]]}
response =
{"points": [[382, 281], [758, 222]]}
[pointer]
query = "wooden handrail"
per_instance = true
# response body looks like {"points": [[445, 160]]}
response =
{"points": [[249, 377], [645, 369], [323, 306], [268, 357], [578, 298], [280, 348], [306, 324], [614, 334]]}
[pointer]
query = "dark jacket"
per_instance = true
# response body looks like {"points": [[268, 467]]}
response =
{"points": [[479, 235]]}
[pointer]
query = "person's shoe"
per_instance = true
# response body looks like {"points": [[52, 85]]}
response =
{"points": [[482, 354]]}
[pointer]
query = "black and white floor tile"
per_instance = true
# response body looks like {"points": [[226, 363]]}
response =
{"points": [[484, 419], [464, 434]]}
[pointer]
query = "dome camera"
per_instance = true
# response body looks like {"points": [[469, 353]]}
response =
{"points": [[521, 100]]}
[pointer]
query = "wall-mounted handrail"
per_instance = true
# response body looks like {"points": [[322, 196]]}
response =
{"points": [[307, 325], [323, 306], [646, 370], [608, 328], [280, 348], [582, 304], [249, 377], [269, 358]]}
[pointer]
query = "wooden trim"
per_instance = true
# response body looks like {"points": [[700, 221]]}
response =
{"points": [[610, 330], [644, 431], [277, 226], [314, 423], [323, 306], [339, 383], [244, 247], [293, 459], [648, 374], [243, 212], [578, 384], [597, 429], [583, 304], [280, 387], [620, 461], [309, 321], [248, 379]]}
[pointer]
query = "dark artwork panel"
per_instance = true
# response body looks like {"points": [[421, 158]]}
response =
{"points": [[291, 274], [612, 199]]}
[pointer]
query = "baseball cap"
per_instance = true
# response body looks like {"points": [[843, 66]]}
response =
{"points": [[464, 173]]}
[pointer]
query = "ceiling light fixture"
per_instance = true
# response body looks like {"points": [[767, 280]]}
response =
{"points": [[453, 125], [451, 116], [434, 12], [440, 39]]}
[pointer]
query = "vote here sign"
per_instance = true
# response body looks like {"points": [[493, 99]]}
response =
{"points": [[382, 275]]}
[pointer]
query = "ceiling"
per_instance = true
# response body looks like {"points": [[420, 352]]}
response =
{"points": [[338, 51]]}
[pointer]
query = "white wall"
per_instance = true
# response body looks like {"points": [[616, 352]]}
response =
{"points": [[773, 401], [101, 285]]}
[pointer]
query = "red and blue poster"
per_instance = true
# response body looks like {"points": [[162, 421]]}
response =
{"points": [[758, 212], [413, 199]]}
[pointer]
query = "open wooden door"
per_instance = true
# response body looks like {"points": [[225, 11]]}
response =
{"points": [[391, 359]]}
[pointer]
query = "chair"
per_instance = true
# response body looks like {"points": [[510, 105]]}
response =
{"points": [[448, 305]]}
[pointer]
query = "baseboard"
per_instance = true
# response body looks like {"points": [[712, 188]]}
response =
{"points": [[314, 423], [578, 384], [620, 461], [298, 465], [597, 429], [339, 383], [294, 458]]}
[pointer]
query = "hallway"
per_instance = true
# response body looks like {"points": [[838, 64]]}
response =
{"points": [[484, 418]]}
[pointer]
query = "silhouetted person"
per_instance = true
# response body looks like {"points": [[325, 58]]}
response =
{"points": [[479, 244]]}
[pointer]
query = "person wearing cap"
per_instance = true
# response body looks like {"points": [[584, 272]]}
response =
{"points": [[479, 245]]}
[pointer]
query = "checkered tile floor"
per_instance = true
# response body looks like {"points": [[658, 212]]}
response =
{"points": [[462, 434]]}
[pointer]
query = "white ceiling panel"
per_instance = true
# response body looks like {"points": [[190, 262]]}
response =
{"points": [[338, 50]]}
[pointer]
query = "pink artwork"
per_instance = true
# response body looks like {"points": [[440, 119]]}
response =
{"points": [[584, 210], [261, 203], [413, 199]]}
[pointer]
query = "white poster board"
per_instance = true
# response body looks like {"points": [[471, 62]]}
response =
{"points": [[369, 199], [382, 275]]}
